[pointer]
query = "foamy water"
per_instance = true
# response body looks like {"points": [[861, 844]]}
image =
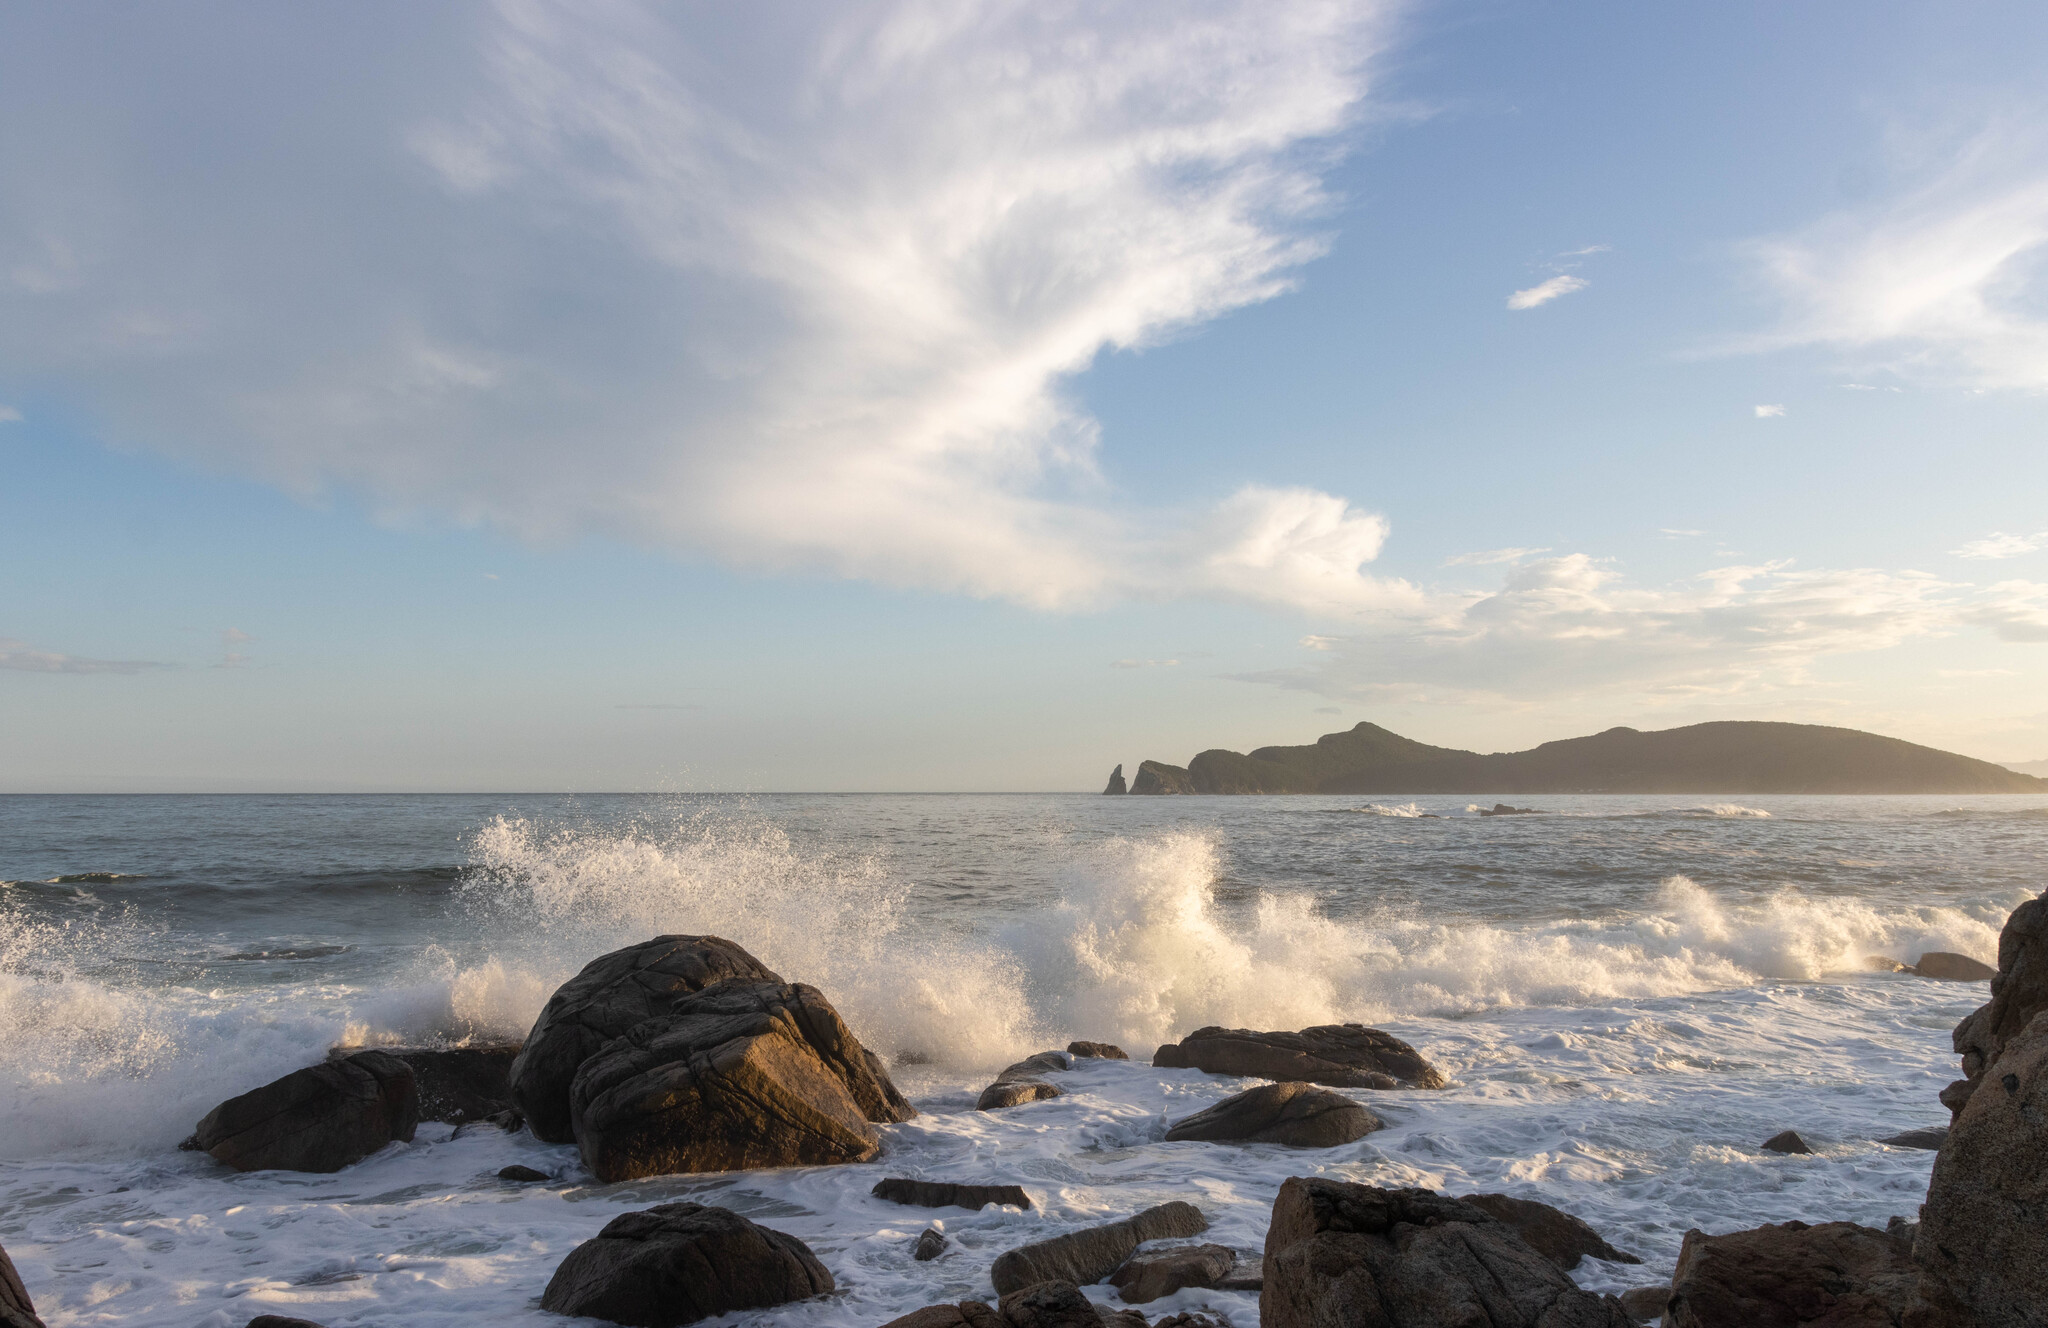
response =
{"points": [[1629, 994]]}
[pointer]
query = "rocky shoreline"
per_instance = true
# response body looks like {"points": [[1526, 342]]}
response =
{"points": [[685, 1054]]}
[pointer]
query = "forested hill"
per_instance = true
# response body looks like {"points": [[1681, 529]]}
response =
{"points": [[1724, 757]]}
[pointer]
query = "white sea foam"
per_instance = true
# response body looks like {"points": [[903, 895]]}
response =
{"points": [[1406, 810]]}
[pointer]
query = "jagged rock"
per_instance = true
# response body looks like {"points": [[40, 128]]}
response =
{"points": [[2018, 993], [1930, 1139], [1551, 1232], [1050, 1304], [966, 1314], [1158, 777], [1791, 1274], [1091, 1254], [1294, 1113], [1983, 1240], [681, 1262], [321, 1118], [461, 1084], [741, 1074], [1502, 809], [1185, 1319], [524, 1175], [16, 1309], [947, 1194], [1147, 1277], [1786, 1141], [931, 1243], [1244, 1275], [1106, 1051], [1345, 1254], [280, 1321], [1950, 967], [1337, 1055], [1645, 1304], [1020, 1083], [1116, 781], [613, 993]]}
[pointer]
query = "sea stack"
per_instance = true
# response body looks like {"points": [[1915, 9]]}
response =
{"points": [[1116, 781]]}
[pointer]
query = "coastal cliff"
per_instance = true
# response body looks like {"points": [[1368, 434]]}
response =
{"points": [[1722, 757]]}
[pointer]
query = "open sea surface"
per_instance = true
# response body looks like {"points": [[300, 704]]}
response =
{"points": [[1628, 994]]}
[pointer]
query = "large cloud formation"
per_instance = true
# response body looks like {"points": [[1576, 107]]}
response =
{"points": [[796, 287]]}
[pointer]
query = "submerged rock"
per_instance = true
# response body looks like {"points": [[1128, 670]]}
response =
{"points": [[1928, 1139], [321, 1118], [2018, 993], [1786, 1141], [613, 993], [1345, 1254], [1790, 1274], [741, 1074], [947, 1194], [1950, 967], [1551, 1232], [1293, 1113], [1091, 1254], [280, 1321], [1337, 1055], [1106, 1051], [931, 1243], [524, 1175], [1147, 1277], [16, 1309], [681, 1262]]}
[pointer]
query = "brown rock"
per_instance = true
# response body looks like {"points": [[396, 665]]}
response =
{"points": [[1786, 1141], [1551, 1232], [1298, 1114], [966, 1314], [1345, 1254], [1050, 1304], [2018, 993], [16, 1309], [741, 1074], [1337, 1055], [461, 1084], [1836, 1274], [1185, 1319], [947, 1194], [321, 1118], [931, 1243], [1107, 1051], [280, 1321], [1147, 1277], [1645, 1304], [613, 993], [523, 1175], [1093, 1253], [681, 1262], [1983, 1240], [1951, 967], [1020, 1083], [1929, 1140]]}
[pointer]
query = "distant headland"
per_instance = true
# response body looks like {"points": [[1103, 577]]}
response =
{"points": [[1730, 756]]}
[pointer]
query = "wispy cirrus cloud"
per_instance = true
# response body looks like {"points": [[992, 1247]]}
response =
{"points": [[1489, 557], [1999, 545], [1543, 292], [24, 658]]}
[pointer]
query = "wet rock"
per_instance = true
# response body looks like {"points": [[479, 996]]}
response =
{"points": [[1107, 1051], [1116, 781], [461, 1083], [947, 1194], [1244, 1275], [280, 1321], [681, 1262], [1950, 967], [1885, 964], [524, 1175], [1645, 1304], [1502, 809], [1091, 1254], [1050, 1304], [741, 1074], [321, 1118], [1187, 1319], [1336, 1055], [1790, 1274], [931, 1243], [613, 993], [1020, 1083], [2018, 993], [16, 1309], [1147, 1277], [1786, 1141], [1982, 1246], [511, 1120], [1551, 1232], [1929, 1139], [966, 1314], [1298, 1114], [1345, 1254]]}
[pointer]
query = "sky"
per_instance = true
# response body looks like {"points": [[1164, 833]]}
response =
{"points": [[974, 396]]}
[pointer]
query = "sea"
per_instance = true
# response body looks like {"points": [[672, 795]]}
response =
{"points": [[1627, 994]]}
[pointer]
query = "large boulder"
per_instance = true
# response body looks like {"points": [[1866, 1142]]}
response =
{"points": [[949, 1194], [1093, 1253], [1952, 967], [741, 1074], [613, 993], [321, 1118], [1551, 1232], [1983, 1239], [1298, 1114], [16, 1309], [1054, 1304], [1021, 1082], [1340, 1254], [2018, 993], [1337, 1055], [681, 1262], [1103, 1051], [965, 1314], [1836, 1274], [1147, 1277]]}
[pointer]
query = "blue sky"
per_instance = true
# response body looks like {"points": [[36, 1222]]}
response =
{"points": [[975, 396]]}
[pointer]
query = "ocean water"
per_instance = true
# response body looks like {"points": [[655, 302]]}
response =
{"points": [[1628, 995]]}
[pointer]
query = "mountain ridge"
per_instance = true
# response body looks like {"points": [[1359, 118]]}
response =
{"points": [[1722, 756]]}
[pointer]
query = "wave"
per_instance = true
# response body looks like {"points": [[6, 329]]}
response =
{"points": [[1406, 810]]}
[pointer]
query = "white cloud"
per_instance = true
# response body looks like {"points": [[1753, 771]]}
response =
{"points": [[1769, 412], [1673, 533], [19, 656], [1941, 281], [1545, 292], [1144, 663], [9, 415], [1999, 545], [795, 288], [1488, 557], [2016, 610]]}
